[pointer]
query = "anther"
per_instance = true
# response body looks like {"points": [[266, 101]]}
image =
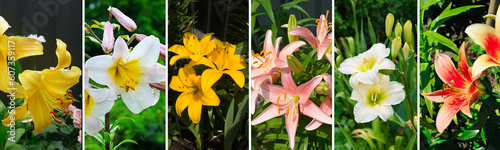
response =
{"points": [[60, 100], [53, 113], [66, 114], [57, 121]]}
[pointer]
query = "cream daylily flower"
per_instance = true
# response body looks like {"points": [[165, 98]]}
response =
{"points": [[376, 99], [365, 66], [129, 73]]}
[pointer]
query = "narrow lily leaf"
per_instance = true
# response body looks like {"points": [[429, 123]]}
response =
{"points": [[447, 14], [434, 36], [125, 141], [468, 134]]}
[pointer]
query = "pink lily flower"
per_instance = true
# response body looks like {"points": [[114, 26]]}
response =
{"points": [[287, 99], [123, 19], [322, 39], [326, 105], [488, 38], [460, 89]]}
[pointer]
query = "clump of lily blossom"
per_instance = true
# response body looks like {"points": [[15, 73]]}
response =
{"points": [[131, 74], [197, 91], [374, 91], [289, 100]]}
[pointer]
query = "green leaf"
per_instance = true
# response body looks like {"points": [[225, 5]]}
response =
{"points": [[269, 9], [447, 14], [434, 36], [18, 134], [66, 129], [468, 134], [347, 136], [125, 141], [93, 146], [120, 120], [16, 147], [107, 137], [99, 138], [427, 3]]}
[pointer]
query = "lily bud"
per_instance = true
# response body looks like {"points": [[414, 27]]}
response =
{"points": [[408, 33], [338, 60], [406, 51], [108, 38], [292, 23], [395, 47], [140, 37], [398, 30], [123, 19], [294, 64], [161, 85], [389, 23], [322, 88]]}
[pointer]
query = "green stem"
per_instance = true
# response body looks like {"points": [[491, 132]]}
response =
{"points": [[106, 129], [376, 127]]}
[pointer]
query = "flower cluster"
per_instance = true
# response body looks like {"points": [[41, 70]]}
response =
{"points": [[220, 58], [290, 99], [45, 92], [126, 73], [373, 91]]}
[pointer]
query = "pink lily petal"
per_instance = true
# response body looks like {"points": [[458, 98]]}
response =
{"points": [[326, 107], [269, 113], [305, 89], [447, 72], [446, 113], [291, 122], [322, 47], [268, 43], [306, 34], [312, 110], [463, 64], [482, 62], [287, 79], [290, 48], [439, 96], [487, 37], [273, 92]]}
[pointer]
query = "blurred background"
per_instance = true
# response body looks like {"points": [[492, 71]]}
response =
{"points": [[148, 130]]}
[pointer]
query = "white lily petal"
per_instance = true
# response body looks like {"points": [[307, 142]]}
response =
{"points": [[386, 64], [120, 50], [100, 109], [146, 52], [93, 125], [364, 113], [140, 99], [393, 93], [386, 112], [354, 81], [98, 69], [369, 77], [100, 95], [155, 75], [349, 66]]}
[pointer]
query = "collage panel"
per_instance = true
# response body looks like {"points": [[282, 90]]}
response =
{"points": [[208, 74], [291, 67], [376, 75], [459, 75], [125, 74], [40, 80]]}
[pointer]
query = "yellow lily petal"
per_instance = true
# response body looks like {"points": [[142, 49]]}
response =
{"points": [[191, 42], [19, 113], [177, 57], [209, 98], [237, 76], [3, 25], [208, 78], [179, 49], [176, 84], [182, 102], [482, 62], [39, 112], [25, 47], [63, 56], [31, 80], [9, 85], [58, 82], [194, 110], [206, 62], [236, 62]]}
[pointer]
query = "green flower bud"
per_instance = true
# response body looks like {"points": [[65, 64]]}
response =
{"points": [[395, 47], [338, 60], [322, 88], [408, 33], [389, 23], [406, 51], [292, 23], [398, 30], [294, 64]]}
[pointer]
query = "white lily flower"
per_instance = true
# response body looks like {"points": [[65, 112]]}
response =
{"points": [[376, 99], [98, 102], [365, 66], [129, 73]]}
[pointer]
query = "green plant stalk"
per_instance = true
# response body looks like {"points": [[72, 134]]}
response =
{"points": [[199, 141], [349, 139], [107, 145], [408, 103], [376, 127]]}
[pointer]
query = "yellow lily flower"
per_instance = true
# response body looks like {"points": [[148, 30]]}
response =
{"points": [[222, 61], [46, 90], [190, 85], [13, 48], [192, 48]]}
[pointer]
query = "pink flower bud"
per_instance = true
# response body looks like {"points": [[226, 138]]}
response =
{"points": [[108, 38], [124, 20], [80, 136], [161, 85]]}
